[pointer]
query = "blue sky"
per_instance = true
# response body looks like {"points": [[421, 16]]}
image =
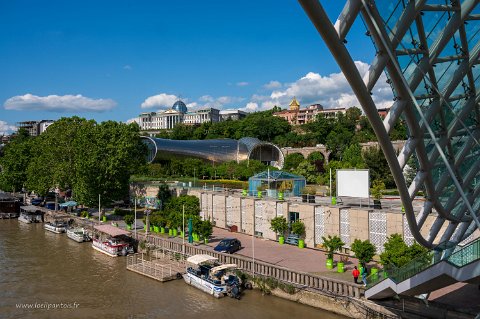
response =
{"points": [[115, 59]]}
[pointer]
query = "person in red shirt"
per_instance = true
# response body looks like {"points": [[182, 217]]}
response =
{"points": [[355, 274]]}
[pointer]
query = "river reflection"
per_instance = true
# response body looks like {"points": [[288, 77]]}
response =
{"points": [[39, 267]]}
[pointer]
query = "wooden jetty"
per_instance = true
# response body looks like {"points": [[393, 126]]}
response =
{"points": [[160, 265]]}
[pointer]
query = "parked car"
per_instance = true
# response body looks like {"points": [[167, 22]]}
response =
{"points": [[36, 201], [228, 245]]}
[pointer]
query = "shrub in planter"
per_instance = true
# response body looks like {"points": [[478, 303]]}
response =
{"points": [[129, 220], [279, 225], [298, 228], [332, 244]]}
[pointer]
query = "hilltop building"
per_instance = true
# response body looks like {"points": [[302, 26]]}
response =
{"points": [[297, 116], [179, 114], [35, 128]]}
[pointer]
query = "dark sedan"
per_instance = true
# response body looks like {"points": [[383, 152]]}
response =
{"points": [[228, 245]]}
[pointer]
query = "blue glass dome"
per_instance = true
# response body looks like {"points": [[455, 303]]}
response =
{"points": [[179, 106]]}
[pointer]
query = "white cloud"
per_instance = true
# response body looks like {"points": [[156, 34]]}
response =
{"points": [[56, 103], [273, 85], [250, 107], [242, 83], [162, 101], [6, 128], [135, 119], [127, 67], [331, 91]]}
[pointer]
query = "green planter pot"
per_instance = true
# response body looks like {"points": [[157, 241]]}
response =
{"points": [[205, 240], [281, 240], [145, 227], [244, 192], [280, 196], [196, 237], [156, 229], [259, 194], [301, 243], [374, 273], [162, 230], [329, 264], [334, 200], [340, 267], [175, 233], [170, 232], [129, 227], [104, 218]]}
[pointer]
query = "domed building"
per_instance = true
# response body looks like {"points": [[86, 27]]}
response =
{"points": [[179, 106], [178, 114]]}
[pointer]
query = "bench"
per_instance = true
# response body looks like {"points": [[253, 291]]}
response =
{"points": [[292, 239]]}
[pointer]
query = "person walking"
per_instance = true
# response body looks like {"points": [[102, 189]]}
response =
{"points": [[364, 274], [355, 274]]}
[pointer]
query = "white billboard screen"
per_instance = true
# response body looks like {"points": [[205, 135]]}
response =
{"points": [[353, 183]]}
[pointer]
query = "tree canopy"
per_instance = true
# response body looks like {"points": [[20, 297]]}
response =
{"points": [[77, 154]]}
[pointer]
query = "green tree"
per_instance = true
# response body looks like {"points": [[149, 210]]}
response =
{"points": [[14, 163], [279, 225], [190, 202], [363, 250], [307, 170], [110, 153], [298, 228], [379, 169], [292, 161], [332, 244], [164, 194], [397, 253], [352, 156], [129, 219], [206, 229]]}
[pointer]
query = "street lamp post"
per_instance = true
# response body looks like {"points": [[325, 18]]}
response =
{"points": [[183, 230]]}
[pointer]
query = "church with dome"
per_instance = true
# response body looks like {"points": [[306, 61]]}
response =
{"points": [[178, 114]]}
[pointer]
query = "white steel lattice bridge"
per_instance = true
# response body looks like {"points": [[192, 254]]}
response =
{"points": [[429, 51]]}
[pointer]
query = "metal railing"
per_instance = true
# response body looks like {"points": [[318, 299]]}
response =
{"points": [[320, 283]]}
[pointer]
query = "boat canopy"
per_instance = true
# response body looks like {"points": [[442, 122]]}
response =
{"points": [[111, 230], [222, 267], [199, 259], [33, 209], [68, 204]]}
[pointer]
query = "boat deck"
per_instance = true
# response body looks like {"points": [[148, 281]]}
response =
{"points": [[161, 266]]}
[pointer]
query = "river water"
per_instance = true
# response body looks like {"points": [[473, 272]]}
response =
{"points": [[46, 270]]}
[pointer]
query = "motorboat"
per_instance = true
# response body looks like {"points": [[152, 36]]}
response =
{"points": [[112, 241], [78, 234], [29, 218], [30, 214], [205, 273], [56, 227]]}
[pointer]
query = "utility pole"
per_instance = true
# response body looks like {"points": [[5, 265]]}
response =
{"points": [[99, 209], [183, 230]]}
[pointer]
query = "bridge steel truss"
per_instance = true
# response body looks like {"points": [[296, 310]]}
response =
{"points": [[428, 50]]}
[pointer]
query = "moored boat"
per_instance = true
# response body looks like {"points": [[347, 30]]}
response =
{"points": [[56, 227], [205, 273], [112, 241], [78, 234], [30, 214]]}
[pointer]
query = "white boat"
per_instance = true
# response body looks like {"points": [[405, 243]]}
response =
{"points": [[204, 273], [78, 234], [30, 214], [56, 227], [112, 241], [27, 218]]}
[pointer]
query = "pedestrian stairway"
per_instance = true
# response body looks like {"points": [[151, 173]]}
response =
{"points": [[437, 269]]}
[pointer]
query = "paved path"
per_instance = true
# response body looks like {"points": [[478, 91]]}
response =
{"points": [[288, 256]]}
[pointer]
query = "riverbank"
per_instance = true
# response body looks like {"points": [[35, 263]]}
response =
{"points": [[39, 268], [305, 269]]}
